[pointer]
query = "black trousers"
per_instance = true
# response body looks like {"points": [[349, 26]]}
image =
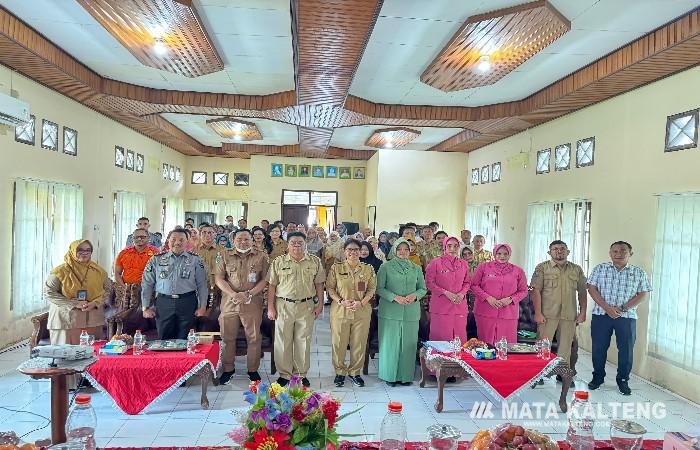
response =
{"points": [[602, 327], [175, 316]]}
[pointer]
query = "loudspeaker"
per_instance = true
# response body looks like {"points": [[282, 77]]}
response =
{"points": [[351, 227]]}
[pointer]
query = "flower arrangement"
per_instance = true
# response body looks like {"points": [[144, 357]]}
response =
{"points": [[288, 418]]}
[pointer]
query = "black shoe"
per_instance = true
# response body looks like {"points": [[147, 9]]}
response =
{"points": [[339, 380], [225, 377], [559, 379], [328, 302], [391, 383], [451, 380], [282, 381], [254, 376], [405, 383], [357, 380], [624, 387], [305, 381], [594, 384]]}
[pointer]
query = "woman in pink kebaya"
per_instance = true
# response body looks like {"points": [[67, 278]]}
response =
{"points": [[447, 278], [498, 287]]}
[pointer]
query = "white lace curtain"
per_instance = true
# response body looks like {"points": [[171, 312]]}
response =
{"points": [[541, 229], [675, 301], [128, 208], [221, 208], [483, 219], [174, 214], [47, 218]]}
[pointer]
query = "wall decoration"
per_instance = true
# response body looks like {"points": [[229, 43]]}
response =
{"points": [[543, 157], [358, 173], [485, 174], [130, 163], [317, 171], [562, 157], [177, 174], [165, 171], [26, 133], [276, 170], [70, 141], [304, 170], [585, 151], [220, 178], [475, 177], [49, 135], [139, 163], [241, 179], [119, 156], [331, 172], [496, 172], [681, 131], [290, 170], [171, 173], [344, 173]]}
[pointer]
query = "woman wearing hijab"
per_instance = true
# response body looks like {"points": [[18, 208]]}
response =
{"points": [[275, 245], [498, 287], [222, 240], [332, 251], [375, 246], [368, 256], [384, 244], [468, 256], [193, 241], [447, 278], [76, 291], [314, 244], [400, 285]]}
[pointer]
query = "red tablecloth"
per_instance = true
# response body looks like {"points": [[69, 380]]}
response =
{"points": [[503, 377], [134, 382]]}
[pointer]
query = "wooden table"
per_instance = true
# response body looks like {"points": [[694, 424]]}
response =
{"points": [[59, 397], [444, 369]]}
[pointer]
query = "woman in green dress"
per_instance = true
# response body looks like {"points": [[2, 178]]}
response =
{"points": [[400, 285]]}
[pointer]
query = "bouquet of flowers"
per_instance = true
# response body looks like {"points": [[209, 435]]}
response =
{"points": [[288, 418]]}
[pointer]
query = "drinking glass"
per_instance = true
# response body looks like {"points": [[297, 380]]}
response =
{"points": [[626, 435]]}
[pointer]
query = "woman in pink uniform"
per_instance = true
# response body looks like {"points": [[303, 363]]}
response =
{"points": [[447, 277], [498, 287]]}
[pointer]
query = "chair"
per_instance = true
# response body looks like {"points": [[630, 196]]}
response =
{"points": [[40, 333]]}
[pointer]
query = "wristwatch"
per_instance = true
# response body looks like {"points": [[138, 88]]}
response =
{"points": [[623, 308]]}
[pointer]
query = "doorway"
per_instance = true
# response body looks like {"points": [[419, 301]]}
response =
{"points": [[295, 213], [310, 207]]}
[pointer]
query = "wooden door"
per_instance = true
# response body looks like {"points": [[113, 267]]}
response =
{"points": [[295, 213]]}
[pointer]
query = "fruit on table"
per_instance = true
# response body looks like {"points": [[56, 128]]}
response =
{"points": [[511, 437]]}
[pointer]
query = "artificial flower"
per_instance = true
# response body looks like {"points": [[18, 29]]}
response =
{"points": [[298, 413], [281, 422], [312, 403], [275, 389], [330, 410], [238, 435], [253, 386], [250, 397], [278, 440]]}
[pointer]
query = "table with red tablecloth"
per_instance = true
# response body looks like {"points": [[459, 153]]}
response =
{"points": [[135, 382], [502, 379]]}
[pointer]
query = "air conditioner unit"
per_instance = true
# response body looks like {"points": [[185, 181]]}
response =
{"points": [[13, 111]]}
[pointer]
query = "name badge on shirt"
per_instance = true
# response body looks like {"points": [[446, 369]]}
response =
{"points": [[164, 274], [361, 286], [185, 273], [252, 277]]}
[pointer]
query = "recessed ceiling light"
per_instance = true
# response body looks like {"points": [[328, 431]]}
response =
{"points": [[160, 48], [388, 145], [484, 64]]}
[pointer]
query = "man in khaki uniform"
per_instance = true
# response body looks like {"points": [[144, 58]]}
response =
{"points": [[211, 254], [556, 285], [351, 286], [241, 275], [294, 280], [428, 249], [480, 253]]}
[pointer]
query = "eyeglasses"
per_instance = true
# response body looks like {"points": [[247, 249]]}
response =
{"points": [[140, 236], [296, 243], [84, 250]]}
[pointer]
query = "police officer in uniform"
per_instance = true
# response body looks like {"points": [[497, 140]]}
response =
{"points": [[295, 279], [211, 254], [351, 286], [179, 281], [241, 276]]}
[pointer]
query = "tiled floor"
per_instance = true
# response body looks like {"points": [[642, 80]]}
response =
{"points": [[179, 420]]}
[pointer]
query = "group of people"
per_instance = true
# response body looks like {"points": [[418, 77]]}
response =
{"points": [[292, 272]]}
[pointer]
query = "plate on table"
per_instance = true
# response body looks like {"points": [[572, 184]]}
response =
{"points": [[170, 345], [521, 348]]}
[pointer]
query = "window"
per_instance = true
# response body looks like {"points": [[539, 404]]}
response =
{"points": [[475, 177], [220, 178], [484, 174], [496, 172], [165, 171], [585, 150], [199, 178], [324, 198], [543, 161], [682, 131], [171, 173], [47, 218], [70, 141], [220, 208], [130, 163], [241, 179], [119, 156], [174, 214], [568, 221], [295, 197], [177, 174], [128, 207], [562, 157], [25, 133], [49, 135], [483, 219], [139, 162], [675, 303]]}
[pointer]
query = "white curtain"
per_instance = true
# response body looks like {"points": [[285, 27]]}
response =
{"points": [[201, 205], [541, 228], [48, 217], [675, 301], [174, 214], [220, 208], [483, 219], [128, 208]]}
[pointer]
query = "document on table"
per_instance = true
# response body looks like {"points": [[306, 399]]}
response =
{"points": [[439, 346]]}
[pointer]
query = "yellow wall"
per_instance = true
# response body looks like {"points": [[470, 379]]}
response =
{"points": [[209, 190], [372, 186], [266, 191], [421, 187], [630, 168], [93, 168]]}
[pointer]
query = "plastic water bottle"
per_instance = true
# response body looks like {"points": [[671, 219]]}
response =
{"points": [[82, 422], [502, 348], [546, 348], [580, 433], [139, 341], [392, 434], [191, 342], [84, 338]]}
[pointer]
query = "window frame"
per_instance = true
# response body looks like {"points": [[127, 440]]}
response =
{"points": [[549, 161], [198, 172], [214, 181], [495, 179], [476, 171], [669, 119], [67, 130], [558, 168], [54, 125], [32, 120], [592, 141]]}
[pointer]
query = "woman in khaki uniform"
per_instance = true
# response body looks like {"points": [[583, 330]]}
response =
{"points": [[351, 286], [278, 246]]}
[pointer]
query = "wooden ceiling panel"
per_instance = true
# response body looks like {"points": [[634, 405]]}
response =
{"points": [[392, 137], [239, 130], [490, 46], [163, 34]]}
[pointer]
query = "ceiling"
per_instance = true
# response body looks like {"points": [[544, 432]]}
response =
{"points": [[380, 49]]}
